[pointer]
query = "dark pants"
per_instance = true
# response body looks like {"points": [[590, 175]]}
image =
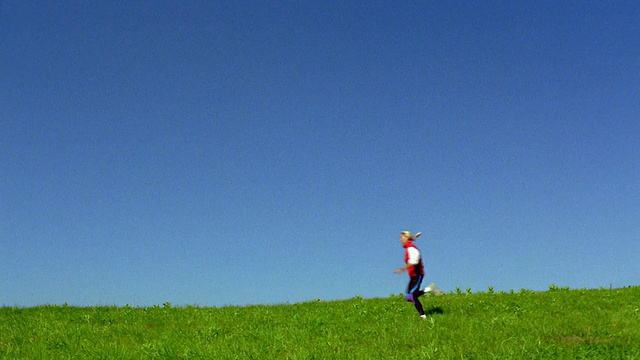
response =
{"points": [[414, 292]]}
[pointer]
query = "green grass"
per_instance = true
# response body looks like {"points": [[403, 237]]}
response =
{"points": [[556, 324]]}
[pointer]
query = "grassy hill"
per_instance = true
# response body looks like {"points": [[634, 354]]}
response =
{"points": [[559, 323]]}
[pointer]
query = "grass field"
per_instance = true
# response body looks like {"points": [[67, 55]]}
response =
{"points": [[559, 323]]}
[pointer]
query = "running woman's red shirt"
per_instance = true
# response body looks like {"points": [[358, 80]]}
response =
{"points": [[417, 269]]}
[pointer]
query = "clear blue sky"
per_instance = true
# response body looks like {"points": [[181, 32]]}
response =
{"points": [[231, 153]]}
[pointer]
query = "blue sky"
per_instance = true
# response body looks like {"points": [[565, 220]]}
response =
{"points": [[233, 153]]}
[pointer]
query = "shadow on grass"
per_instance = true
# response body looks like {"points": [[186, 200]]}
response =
{"points": [[434, 310]]}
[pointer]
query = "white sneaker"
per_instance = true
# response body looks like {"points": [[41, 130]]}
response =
{"points": [[432, 288], [424, 317]]}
